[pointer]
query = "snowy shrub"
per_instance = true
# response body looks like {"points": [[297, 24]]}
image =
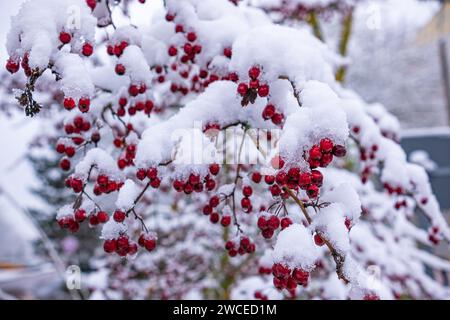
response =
{"points": [[215, 155]]}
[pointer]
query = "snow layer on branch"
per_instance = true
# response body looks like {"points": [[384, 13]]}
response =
{"points": [[127, 194], [284, 51], [75, 78], [134, 61], [101, 160], [330, 222], [36, 28], [345, 194], [218, 104], [310, 123], [295, 248], [65, 211], [112, 230]]}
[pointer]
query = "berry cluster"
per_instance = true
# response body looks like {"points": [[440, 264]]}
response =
{"points": [[268, 224], [321, 155], [246, 203], [122, 246], [116, 49], [105, 185], [70, 223], [285, 278], [194, 183], [433, 235], [151, 174], [98, 218], [148, 241], [242, 247], [126, 159], [253, 88], [271, 112], [214, 216], [84, 104], [142, 105]]}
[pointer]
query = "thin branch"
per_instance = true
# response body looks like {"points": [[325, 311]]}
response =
{"points": [[338, 258]]}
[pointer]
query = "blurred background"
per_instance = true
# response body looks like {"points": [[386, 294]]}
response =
{"points": [[397, 54]]}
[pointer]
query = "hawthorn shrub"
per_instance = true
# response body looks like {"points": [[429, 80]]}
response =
{"points": [[216, 155]]}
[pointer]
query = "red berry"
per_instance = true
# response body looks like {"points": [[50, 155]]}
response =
{"points": [[268, 112], [316, 177], [119, 216], [301, 276], [191, 36], [178, 28], [110, 245], [214, 201], [64, 37], [326, 145], [102, 217], [262, 223], [247, 191], [225, 221], [132, 248], [93, 220], [315, 153], [214, 169], [254, 72], [69, 103], [229, 245], [64, 164], [256, 177], [304, 180], [339, 151], [327, 158], [275, 190], [133, 90], [120, 69], [269, 179], [348, 223], [318, 240], [313, 191], [246, 203], [207, 210], [150, 244], [214, 217], [141, 174], [268, 233], [152, 173], [263, 91], [91, 4], [285, 222], [253, 84], [95, 137], [173, 51], [277, 119], [12, 66], [273, 222], [242, 88], [170, 17], [87, 49], [227, 52], [84, 104], [155, 183], [80, 215], [60, 148]]}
